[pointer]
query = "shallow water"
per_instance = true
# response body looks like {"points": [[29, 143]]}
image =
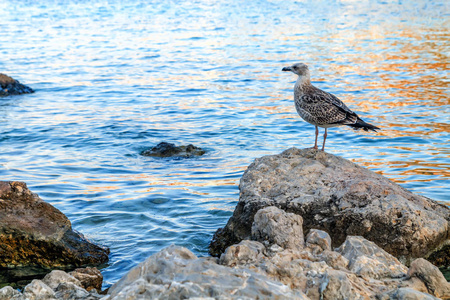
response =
{"points": [[113, 78]]}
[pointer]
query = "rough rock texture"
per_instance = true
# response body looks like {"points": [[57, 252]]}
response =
{"points": [[56, 285], [34, 233], [164, 149], [318, 238], [264, 270], [432, 277], [9, 86], [90, 278], [274, 226], [176, 273], [368, 260], [358, 269], [8, 293], [341, 198], [406, 294]]}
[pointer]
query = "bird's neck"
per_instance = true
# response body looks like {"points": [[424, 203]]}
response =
{"points": [[302, 82]]}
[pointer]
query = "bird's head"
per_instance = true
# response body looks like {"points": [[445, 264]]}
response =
{"points": [[300, 69]]}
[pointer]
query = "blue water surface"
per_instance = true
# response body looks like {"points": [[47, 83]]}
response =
{"points": [[113, 78]]}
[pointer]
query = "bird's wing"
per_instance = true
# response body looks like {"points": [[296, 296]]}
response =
{"points": [[328, 108]]}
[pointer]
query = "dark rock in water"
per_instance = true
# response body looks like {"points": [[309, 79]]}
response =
{"points": [[34, 233], [341, 198], [164, 149], [10, 86]]}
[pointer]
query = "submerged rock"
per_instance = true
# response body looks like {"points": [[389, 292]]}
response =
{"points": [[10, 86], [34, 233], [341, 198], [164, 149]]}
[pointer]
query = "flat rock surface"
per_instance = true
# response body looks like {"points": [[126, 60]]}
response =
{"points": [[34, 233], [341, 198]]}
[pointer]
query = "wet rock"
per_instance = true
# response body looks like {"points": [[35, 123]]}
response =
{"points": [[90, 278], [164, 149], [274, 226], [341, 198], [9, 86], [34, 233], [176, 273], [368, 260], [431, 276]]}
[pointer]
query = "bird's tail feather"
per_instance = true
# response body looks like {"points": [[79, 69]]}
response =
{"points": [[365, 126]]}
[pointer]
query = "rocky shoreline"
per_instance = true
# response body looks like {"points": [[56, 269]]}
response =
{"points": [[308, 225]]}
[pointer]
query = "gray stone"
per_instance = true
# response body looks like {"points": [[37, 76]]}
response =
{"points": [[341, 198], [368, 260], [431, 276], [8, 293], [335, 285], [176, 273], [272, 225], [244, 253], [71, 291], [319, 238], [334, 259], [38, 290], [55, 277], [406, 294]]}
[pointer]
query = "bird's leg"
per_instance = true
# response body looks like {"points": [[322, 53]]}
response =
{"points": [[324, 139], [317, 134]]}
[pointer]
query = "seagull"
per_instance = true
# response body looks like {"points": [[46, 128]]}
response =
{"points": [[320, 108]]}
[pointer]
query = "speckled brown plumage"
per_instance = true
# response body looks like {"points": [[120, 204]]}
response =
{"points": [[320, 108]]}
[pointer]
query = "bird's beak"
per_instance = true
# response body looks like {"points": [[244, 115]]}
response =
{"points": [[286, 69]]}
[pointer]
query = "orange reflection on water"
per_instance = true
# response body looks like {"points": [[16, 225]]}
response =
{"points": [[408, 169]]}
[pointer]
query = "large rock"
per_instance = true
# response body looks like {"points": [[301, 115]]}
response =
{"points": [[176, 273], [341, 198], [358, 269], [34, 233], [10, 86]]}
